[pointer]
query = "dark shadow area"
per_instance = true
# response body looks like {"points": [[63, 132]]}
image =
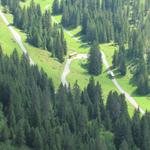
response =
{"points": [[10, 24], [55, 15], [79, 34], [106, 70], [84, 65], [84, 45], [136, 94], [118, 75], [69, 28], [83, 39]]}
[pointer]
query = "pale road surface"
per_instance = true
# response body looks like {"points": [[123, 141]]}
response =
{"points": [[67, 67], [16, 36]]}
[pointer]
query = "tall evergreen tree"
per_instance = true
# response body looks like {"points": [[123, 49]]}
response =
{"points": [[95, 60], [56, 7]]}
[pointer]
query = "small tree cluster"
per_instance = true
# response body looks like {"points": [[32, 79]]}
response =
{"points": [[119, 60]]}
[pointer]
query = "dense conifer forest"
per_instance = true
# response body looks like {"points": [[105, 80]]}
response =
{"points": [[35, 116]]}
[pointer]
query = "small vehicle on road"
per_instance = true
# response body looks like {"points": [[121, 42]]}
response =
{"points": [[111, 75], [73, 54]]}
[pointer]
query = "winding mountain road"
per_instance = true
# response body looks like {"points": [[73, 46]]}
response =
{"points": [[66, 71], [16, 36], [105, 62], [68, 63]]}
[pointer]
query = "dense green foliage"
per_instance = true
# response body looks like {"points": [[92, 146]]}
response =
{"points": [[34, 116], [119, 60], [56, 7], [39, 29], [11, 4], [95, 60]]}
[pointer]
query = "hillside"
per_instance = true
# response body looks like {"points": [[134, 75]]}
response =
{"points": [[82, 64]]}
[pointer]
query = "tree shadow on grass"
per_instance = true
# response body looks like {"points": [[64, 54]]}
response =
{"points": [[136, 94], [84, 45], [79, 34], [11, 24], [82, 37], [84, 65], [70, 28]]}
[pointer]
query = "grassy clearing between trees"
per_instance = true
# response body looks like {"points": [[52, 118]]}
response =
{"points": [[75, 46], [125, 82], [79, 73]]}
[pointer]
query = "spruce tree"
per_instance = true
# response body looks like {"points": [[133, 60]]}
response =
{"points": [[122, 67], [95, 60], [124, 146], [136, 128], [115, 59], [56, 7]]}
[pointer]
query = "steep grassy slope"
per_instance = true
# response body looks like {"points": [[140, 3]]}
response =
{"points": [[7, 41]]}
